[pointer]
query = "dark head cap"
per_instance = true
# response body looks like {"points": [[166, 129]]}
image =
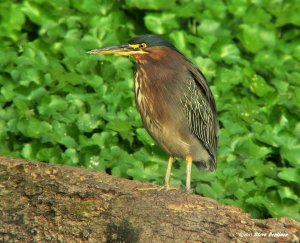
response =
{"points": [[151, 40]]}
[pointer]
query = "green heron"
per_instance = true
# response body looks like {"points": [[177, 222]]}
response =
{"points": [[174, 100]]}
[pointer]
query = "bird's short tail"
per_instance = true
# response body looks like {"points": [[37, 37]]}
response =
{"points": [[206, 165]]}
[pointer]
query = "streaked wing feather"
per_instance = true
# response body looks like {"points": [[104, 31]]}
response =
{"points": [[201, 111]]}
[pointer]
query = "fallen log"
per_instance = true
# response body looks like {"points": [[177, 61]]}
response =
{"points": [[42, 202]]}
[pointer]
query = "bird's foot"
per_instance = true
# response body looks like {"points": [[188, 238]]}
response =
{"points": [[159, 188], [170, 188], [189, 191]]}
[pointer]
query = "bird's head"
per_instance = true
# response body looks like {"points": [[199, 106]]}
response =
{"points": [[142, 48]]}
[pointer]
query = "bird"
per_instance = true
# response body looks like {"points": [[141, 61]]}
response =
{"points": [[174, 100]]}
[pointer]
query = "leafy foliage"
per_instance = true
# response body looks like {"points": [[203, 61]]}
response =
{"points": [[59, 104]]}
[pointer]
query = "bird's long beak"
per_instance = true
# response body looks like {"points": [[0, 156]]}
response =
{"points": [[123, 50]]}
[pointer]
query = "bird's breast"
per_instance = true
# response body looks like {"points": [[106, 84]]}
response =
{"points": [[159, 105], [154, 94]]}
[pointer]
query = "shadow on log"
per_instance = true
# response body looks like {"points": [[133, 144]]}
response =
{"points": [[53, 203]]}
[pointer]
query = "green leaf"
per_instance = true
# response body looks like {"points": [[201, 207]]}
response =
{"points": [[289, 174], [209, 27], [12, 17], [186, 9], [292, 154], [254, 37], [87, 122], [151, 4], [288, 13], [206, 65], [227, 78], [119, 125], [228, 53], [27, 151], [286, 192], [238, 7], [206, 191], [144, 136], [259, 86], [161, 23], [138, 171], [7, 91], [37, 93], [49, 154], [70, 156], [264, 182], [33, 127]]}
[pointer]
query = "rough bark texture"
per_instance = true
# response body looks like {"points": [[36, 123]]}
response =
{"points": [[52, 203]]}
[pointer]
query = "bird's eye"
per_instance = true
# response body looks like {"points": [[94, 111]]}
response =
{"points": [[143, 45]]}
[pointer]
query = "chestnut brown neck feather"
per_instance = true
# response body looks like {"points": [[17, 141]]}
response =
{"points": [[159, 55]]}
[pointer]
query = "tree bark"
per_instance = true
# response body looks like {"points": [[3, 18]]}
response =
{"points": [[53, 203]]}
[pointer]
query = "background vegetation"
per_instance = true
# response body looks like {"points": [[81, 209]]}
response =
{"points": [[59, 104]]}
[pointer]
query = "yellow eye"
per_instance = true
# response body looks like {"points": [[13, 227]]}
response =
{"points": [[143, 45]]}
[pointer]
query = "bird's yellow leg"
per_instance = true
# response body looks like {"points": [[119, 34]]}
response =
{"points": [[189, 162], [168, 173], [167, 186]]}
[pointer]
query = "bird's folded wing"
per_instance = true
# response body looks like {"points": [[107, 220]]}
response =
{"points": [[201, 110]]}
